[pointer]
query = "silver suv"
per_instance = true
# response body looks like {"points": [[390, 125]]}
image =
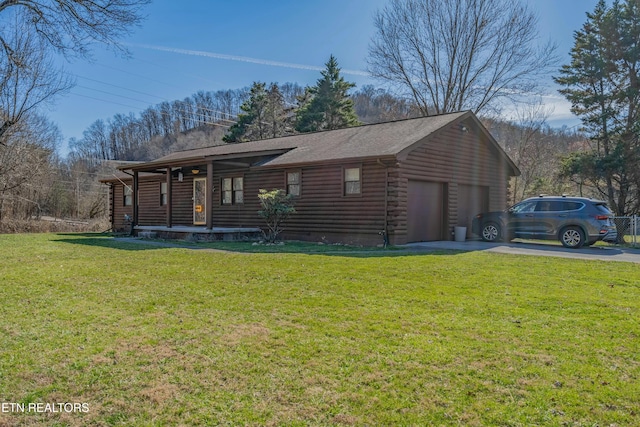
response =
{"points": [[575, 221]]}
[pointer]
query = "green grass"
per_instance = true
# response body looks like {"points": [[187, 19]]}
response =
{"points": [[152, 336]]}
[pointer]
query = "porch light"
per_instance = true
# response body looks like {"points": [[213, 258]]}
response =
{"points": [[195, 171]]}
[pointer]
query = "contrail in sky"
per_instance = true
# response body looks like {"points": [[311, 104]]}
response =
{"points": [[240, 58]]}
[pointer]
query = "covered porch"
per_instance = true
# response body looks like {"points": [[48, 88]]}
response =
{"points": [[200, 197]]}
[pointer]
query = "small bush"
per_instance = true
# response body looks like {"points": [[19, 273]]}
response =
{"points": [[277, 206]]}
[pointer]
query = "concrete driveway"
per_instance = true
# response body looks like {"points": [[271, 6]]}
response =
{"points": [[603, 253]]}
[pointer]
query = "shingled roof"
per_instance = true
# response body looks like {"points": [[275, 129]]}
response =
{"points": [[366, 141]]}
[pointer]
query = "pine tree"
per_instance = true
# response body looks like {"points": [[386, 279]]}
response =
{"points": [[264, 116], [276, 114], [327, 105], [602, 82]]}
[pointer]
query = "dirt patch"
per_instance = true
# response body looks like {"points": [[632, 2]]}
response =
{"points": [[160, 393], [245, 332]]}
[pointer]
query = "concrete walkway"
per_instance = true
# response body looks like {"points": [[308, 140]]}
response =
{"points": [[602, 253]]}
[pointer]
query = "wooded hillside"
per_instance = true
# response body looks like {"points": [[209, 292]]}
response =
{"points": [[69, 188]]}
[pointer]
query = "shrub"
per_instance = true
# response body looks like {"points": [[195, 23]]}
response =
{"points": [[277, 206]]}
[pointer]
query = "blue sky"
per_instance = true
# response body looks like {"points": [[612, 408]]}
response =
{"points": [[190, 45]]}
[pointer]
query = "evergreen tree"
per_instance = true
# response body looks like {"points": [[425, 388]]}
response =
{"points": [[276, 114], [250, 124], [264, 116], [602, 82], [326, 105]]}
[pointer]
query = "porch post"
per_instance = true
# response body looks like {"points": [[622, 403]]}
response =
{"points": [[209, 196], [112, 207], [134, 197], [169, 198]]}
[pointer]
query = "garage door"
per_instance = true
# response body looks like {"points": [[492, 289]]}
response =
{"points": [[472, 199], [425, 201]]}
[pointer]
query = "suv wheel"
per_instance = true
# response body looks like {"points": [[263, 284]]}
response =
{"points": [[572, 237], [490, 232]]}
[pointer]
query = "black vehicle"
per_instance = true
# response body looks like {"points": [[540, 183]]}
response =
{"points": [[575, 221]]}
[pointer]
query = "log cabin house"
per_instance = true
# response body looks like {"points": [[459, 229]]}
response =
{"points": [[413, 180]]}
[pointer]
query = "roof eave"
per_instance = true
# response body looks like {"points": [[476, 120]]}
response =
{"points": [[155, 165]]}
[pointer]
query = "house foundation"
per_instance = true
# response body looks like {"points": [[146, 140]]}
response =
{"points": [[199, 234]]}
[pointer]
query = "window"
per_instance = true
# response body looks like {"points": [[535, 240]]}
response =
{"points": [[558, 206], [549, 206], [227, 194], [232, 191], [128, 196], [351, 181], [603, 208], [238, 192], [293, 183], [526, 206], [572, 206], [163, 194]]}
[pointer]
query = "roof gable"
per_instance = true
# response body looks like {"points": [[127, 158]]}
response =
{"points": [[468, 122]]}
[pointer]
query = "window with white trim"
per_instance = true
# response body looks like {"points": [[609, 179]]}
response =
{"points": [[163, 194], [128, 196], [232, 190], [293, 183], [238, 190], [352, 181]]}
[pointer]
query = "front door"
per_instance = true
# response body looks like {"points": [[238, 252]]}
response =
{"points": [[199, 201]]}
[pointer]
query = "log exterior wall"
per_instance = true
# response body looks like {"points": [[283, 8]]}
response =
{"points": [[323, 212], [119, 210], [453, 158], [150, 211]]}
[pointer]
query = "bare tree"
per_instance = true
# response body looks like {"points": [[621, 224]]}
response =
{"points": [[529, 149], [536, 148], [29, 79], [24, 160], [453, 55], [379, 105], [31, 29], [71, 26]]}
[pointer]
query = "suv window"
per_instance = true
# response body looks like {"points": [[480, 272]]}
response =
{"points": [[601, 207], [571, 206], [558, 206], [526, 206], [549, 206]]}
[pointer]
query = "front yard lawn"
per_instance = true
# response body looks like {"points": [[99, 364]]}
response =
{"points": [[151, 336]]}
